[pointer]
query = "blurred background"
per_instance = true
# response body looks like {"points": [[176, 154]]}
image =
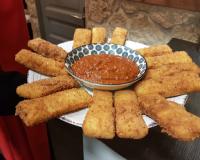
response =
{"points": [[148, 21]]}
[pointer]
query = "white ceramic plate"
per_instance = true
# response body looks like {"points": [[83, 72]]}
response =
{"points": [[76, 118]]}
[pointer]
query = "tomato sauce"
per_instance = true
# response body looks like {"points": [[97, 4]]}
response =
{"points": [[105, 69]]}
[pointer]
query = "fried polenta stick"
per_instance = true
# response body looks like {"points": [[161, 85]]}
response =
{"points": [[98, 35], [168, 86], [119, 36], [39, 110], [156, 50], [128, 118], [171, 69], [172, 117], [99, 121], [45, 87], [47, 49], [82, 37], [40, 64], [177, 57]]}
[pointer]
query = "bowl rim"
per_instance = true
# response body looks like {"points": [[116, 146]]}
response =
{"points": [[102, 84]]}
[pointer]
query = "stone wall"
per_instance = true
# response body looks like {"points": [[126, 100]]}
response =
{"points": [[148, 24], [32, 11]]}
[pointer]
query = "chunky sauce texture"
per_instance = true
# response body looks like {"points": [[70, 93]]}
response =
{"points": [[105, 69]]}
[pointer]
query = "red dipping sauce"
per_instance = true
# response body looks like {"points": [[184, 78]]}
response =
{"points": [[105, 69]]}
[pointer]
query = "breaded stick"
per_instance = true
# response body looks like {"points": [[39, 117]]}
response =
{"points": [[82, 37], [40, 64], [156, 50], [172, 117], [177, 57], [47, 49], [45, 87], [99, 121], [171, 69], [119, 36], [98, 35], [39, 110], [128, 118], [168, 86]]}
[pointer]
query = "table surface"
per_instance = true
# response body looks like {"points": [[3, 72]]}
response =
{"points": [[157, 145]]}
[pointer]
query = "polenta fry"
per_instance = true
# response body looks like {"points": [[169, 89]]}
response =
{"points": [[156, 50], [39, 110], [47, 49], [119, 36], [172, 117], [177, 57], [168, 86], [82, 37], [99, 121], [128, 118], [171, 69], [45, 87], [98, 35], [39, 63]]}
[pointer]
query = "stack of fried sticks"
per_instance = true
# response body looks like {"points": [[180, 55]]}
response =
{"points": [[169, 74]]}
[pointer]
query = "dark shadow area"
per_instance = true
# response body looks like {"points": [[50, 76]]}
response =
{"points": [[1, 157], [65, 140], [8, 97]]}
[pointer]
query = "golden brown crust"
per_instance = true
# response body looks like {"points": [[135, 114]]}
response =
{"points": [[119, 36], [171, 69], [98, 35], [39, 110], [82, 36], [129, 121], [45, 87], [178, 57], [168, 86], [99, 121], [40, 64], [47, 49], [156, 50], [173, 119]]}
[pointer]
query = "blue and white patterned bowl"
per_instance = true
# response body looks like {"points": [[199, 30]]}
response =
{"points": [[105, 48]]}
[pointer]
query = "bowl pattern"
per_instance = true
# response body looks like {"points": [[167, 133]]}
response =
{"points": [[106, 48]]}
